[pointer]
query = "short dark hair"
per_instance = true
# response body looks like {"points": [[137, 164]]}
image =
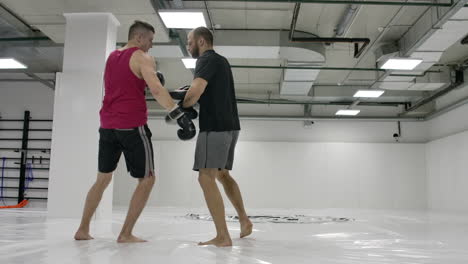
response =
{"points": [[139, 26], [204, 33]]}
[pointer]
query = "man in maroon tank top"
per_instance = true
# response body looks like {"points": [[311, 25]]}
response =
{"points": [[123, 126]]}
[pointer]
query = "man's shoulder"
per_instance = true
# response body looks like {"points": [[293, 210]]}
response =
{"points": [[213, 58], [140, 56], [210, 54], [217, 56]]}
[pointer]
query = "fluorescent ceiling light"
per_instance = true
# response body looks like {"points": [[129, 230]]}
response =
{"points": [[400, 64], [369, 93], [348, 112], [182, 19], [9, 63], [189, 63]]}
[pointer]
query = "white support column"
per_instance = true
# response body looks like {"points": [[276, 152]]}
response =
{"points": [[90, 37]]}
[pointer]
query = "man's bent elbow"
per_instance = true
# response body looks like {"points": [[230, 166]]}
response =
{"points": [[155, 91]]}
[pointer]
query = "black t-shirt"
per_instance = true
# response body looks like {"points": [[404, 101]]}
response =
{"points": [[218, 107]]}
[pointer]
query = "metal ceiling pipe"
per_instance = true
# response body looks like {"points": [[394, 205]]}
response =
{"points": [[464, 41], [326, 118], [357, 51], [415, 75], [306, 68], [341, 103], [331, 40], [329, 69], [297, 7], [20, 24], [290, 102], [270, 29], [446, 109], [346, 20], [32, 44], [314, 118], [24, 80], [23, 39], [357, 2], [209, 16], [51, 85], [459, 80]]}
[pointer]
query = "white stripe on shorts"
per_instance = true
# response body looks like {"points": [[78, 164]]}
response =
{"points": [[148, 157]]}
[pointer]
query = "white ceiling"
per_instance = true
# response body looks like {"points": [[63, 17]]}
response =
{"points": [[47, 15], [319, 19]]}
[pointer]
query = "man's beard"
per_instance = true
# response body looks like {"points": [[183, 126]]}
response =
{"points": [[196, 53]]}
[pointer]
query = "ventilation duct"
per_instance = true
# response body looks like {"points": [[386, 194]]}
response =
{"points": [[428, 48]]}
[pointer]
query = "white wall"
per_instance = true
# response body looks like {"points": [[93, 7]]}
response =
{"points": [[15, 98], [446, 156], [348, 164], [447, 173], [343, 163], [321, 131], [295, 175]]}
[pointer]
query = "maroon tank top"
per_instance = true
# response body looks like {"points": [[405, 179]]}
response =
{"points": [[124, 104]]}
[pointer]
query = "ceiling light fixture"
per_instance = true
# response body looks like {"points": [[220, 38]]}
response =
{"points": [[182, 19], [369, 93], [401, 64], [347, 112], [10, 63]]}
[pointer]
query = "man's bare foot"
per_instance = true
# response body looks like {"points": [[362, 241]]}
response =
{"points": [[82, 235], [219, 242], [129, 239], [246, 228]]}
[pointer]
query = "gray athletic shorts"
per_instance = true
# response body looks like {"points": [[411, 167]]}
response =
{"points": [[215, 150]]}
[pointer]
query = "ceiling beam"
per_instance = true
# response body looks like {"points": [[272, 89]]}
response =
{"points": [[355, 2], [47, 83], [16, 21]]}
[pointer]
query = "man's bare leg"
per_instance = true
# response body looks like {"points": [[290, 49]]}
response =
{"points": [[214, 201], [233, 193], [138, 202], [92, 201]]}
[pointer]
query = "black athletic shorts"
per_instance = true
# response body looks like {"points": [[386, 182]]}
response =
{"points": [[135, 143]]}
